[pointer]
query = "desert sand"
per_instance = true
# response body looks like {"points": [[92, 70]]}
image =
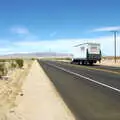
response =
{"points": [[109, 63], [11, 87], [39, 99]]}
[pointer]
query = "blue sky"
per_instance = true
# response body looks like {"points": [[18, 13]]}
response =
{"points": [[40, 25]]}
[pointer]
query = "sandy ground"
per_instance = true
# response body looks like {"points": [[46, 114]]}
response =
{"points": [[39, 100], [10, 88], [109, 63]]}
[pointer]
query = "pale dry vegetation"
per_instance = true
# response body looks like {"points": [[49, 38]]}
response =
{"points": [[12, 75], [7, 66]]}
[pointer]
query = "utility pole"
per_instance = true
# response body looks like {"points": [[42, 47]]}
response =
{"points": [[115, 35]]}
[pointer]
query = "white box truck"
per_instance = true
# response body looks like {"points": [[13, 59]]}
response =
{"points": [[86, 53]]}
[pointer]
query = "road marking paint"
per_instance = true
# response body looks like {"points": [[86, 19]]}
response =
{"points": [[87, 78]]}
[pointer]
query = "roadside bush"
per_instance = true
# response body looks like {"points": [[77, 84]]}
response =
{"points": [[32, 58], [2, 60], [19, 62], [3, 70], [68, 59], [13, 65]]}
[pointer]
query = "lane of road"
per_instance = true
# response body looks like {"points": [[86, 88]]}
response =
{"points": [[107, 78], [88, 101], [99, 67]]}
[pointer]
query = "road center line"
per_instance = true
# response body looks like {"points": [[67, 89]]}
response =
{"points": [[87, 78]]}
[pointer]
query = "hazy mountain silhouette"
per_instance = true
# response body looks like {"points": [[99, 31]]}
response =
{"points": [[37, 54]]}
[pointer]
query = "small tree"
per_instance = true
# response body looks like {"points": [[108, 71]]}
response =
{"points": [[19, 62]]}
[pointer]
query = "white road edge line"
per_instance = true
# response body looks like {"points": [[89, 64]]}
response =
{"points": [[99, 83]]}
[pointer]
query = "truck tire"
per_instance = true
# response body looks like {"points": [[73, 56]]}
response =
{"points": [[83, 62], [90, 62]]}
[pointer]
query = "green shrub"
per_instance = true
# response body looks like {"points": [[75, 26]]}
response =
{"points": [[32, 58], [13, 65], [3, 70], [68, 59], [2, 60], [19, 62]]}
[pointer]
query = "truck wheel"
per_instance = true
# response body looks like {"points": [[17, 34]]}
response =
{"points": [[91, 63], [80, 62], [83, 62]]}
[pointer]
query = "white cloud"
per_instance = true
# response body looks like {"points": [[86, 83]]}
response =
{"points": [[53, 34], [58, 45], [66, 45], [19, 30], [110, 28]]}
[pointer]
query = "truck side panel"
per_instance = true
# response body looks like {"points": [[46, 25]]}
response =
{"points": [[80, 52]]}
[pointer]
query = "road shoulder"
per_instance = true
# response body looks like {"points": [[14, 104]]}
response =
{"points": [[39, 99]]}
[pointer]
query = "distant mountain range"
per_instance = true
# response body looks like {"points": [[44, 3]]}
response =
{"points": [[37, 54]]}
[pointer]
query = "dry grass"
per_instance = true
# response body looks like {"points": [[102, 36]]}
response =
{"points": [[109, 63], [111, 57], [10, 88]]}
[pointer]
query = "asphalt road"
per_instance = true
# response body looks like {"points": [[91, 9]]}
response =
{"points": [[107, 68], [116, 69], [89, 93]]}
